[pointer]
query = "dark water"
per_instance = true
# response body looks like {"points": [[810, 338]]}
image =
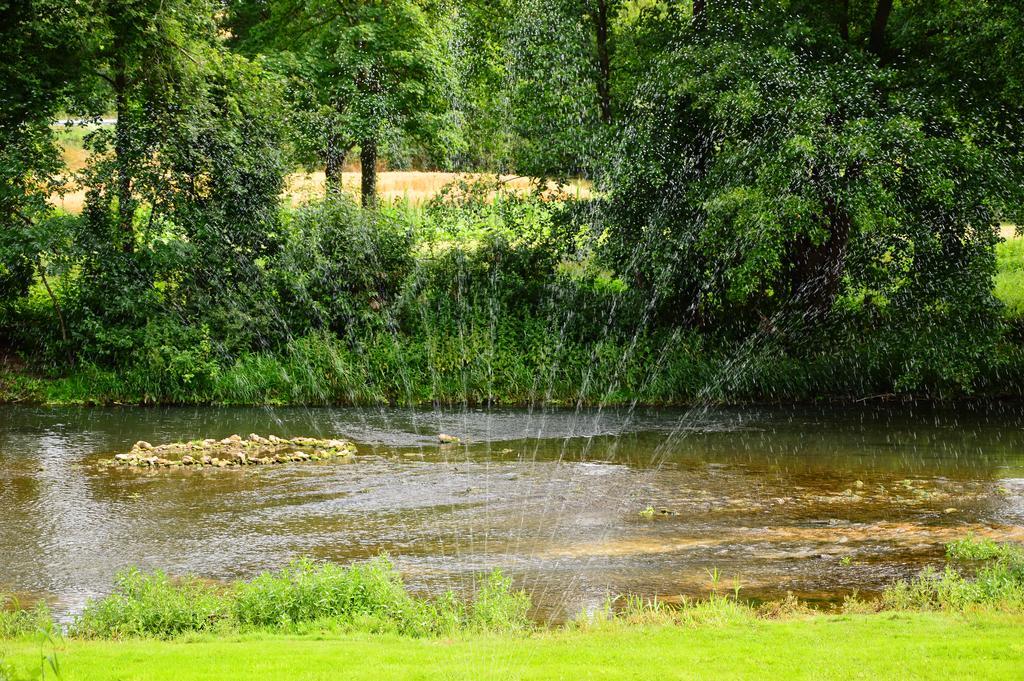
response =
{"points": [[818, 502]]}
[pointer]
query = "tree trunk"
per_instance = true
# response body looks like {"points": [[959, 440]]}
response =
{"points": [[817, 269], [699, 10], [604, 67], [876, 43], [56, 308], [368, 167], [844, 20], [335, 163], [122, 149]]}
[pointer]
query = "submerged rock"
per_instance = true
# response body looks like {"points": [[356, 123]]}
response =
{"points": [[233, 451]]}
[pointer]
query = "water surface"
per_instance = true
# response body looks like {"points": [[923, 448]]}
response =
{"points": [[820, 502]]}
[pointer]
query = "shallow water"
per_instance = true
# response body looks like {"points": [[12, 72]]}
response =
{"points": [[820, 502]]}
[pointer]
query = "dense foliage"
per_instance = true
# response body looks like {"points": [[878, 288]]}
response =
{"points": [[790, 199]]}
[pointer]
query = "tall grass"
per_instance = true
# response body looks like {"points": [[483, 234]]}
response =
{"points": [[370, 595], [18, 621], [498, 607], [511, 362]]}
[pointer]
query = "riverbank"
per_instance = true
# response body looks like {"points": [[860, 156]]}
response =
{"points": [[315, 621], [108, 389], [474, 304], [378, 369], [889, 645]]}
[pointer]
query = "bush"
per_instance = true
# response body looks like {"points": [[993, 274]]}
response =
{"points": [[498, 608], [152, 604], [305, 592], [366, 596], [476, 298], [999, 583], [341, 265]]}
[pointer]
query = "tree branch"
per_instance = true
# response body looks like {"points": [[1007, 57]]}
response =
{"points": [[53, 298], [103, 76]]}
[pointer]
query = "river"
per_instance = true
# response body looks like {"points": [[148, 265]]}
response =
{"points": [[818, 501]]}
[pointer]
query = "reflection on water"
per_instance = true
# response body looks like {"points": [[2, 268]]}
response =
{"points": [[819, 502]]}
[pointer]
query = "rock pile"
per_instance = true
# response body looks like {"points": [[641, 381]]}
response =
{"points": [[254, 450]]}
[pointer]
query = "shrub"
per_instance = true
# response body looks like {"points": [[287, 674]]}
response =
{"points": [[341, 265], [306, 591], [999, 583], [152, 604], [366, 596], [498, 608]]}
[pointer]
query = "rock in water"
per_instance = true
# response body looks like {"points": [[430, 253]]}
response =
{"points": [[444, 438], [234, 451]]}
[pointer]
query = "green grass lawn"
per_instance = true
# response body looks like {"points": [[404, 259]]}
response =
{"points": [[882, 646], [1009, 283]]}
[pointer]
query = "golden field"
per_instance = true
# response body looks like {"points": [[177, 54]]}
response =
{"points": [[414, 186]]}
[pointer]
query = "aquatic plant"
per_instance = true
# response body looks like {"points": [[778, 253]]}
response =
{"points": [[982, 548]]}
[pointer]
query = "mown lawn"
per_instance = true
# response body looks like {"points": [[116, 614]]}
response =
{"points": [[882, 646]]}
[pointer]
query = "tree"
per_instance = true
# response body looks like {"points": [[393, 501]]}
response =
{"points": [[360, 72], [789, 161], [39, 61], [481, 109], [562, 83], [183, 190], [148, 59]]}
